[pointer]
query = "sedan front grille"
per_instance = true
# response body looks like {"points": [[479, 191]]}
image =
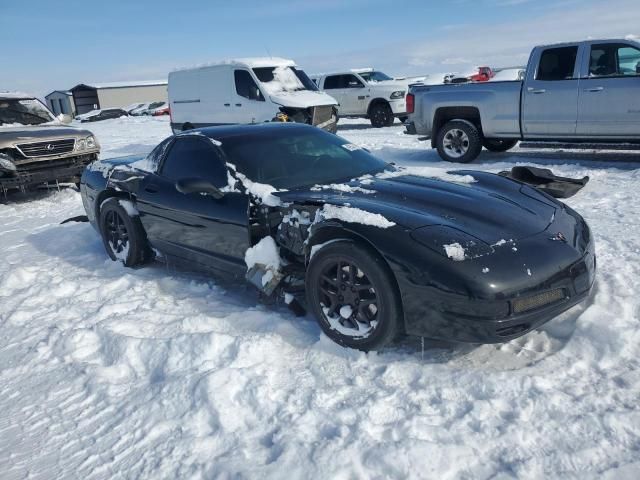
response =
{"points": [[47, 149]]}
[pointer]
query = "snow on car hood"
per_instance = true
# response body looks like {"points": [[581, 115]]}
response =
{"points": [[302, 99]]}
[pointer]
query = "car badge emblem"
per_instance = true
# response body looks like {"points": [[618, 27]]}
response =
{"points": [[50, 146], [558, 237]]}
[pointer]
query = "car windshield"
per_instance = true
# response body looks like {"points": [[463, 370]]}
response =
{"points": [[288, 158], [290, 79], [375, 76], [27, 111]]}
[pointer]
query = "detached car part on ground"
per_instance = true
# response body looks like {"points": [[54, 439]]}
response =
{"points": [[247, 91], [36, 149], [371, 250]]}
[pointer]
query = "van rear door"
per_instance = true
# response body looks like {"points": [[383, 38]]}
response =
{"points": [[216, 96]]}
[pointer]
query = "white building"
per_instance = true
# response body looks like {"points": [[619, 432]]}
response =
{"points": [[118, 94], [60, 101]]}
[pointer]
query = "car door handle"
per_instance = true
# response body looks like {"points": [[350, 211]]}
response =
{"points": [[536, 90], [151, 189], [594, 89]]}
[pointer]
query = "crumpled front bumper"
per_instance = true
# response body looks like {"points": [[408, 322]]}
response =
{"points": [[69, 171]]}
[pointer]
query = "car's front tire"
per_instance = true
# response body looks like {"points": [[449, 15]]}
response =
{"points": [[459, 141], [381, 115], [497, 145], [122, 234], [353, 296]]}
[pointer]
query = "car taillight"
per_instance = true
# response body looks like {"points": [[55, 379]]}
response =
{"points": [[411, 100]]}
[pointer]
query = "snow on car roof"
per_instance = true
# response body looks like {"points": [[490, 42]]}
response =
{"points": [[250, 62]]}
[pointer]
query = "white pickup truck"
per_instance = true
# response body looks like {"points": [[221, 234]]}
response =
{"points": [[579, 94], [367, 93]]}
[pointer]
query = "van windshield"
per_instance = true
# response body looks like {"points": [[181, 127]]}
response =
{"points": [[284, 79], [26, 111]]}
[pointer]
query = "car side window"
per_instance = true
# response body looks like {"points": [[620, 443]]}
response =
{"points": [[332, 82], [157, 154], [246, 87], [611, 59], [194, 157], [351, 81], [557, 64]]}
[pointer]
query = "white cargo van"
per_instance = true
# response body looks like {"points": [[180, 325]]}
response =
{"points": [[250, 90]]}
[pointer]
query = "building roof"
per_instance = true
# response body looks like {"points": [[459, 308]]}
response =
{"points": [[64, 92], [136, 83]]}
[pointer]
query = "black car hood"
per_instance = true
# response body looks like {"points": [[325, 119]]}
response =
{"points": [[491, 208]]}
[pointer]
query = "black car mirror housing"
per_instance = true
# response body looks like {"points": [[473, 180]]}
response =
{"points": [[198, 185]]}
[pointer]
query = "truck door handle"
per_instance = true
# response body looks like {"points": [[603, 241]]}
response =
{"points": [[536, 90], [594, 89]]}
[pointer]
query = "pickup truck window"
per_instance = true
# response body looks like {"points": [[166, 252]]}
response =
{"points": [[342, 81], [557, 64], [610, 59], [246, 87]]}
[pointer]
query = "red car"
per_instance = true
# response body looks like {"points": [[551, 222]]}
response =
{"points": [[484, 75], [158, 112]]}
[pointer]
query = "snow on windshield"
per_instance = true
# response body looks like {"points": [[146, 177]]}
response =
{"points": [[284, 80]]}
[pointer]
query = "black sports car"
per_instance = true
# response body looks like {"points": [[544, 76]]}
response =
{"points": [[371, 250]]}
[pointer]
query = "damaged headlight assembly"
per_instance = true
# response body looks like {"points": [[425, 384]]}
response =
{"points": [[397, 95]]}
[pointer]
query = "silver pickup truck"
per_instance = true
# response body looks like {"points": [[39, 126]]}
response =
{"points": [[582, 92]]}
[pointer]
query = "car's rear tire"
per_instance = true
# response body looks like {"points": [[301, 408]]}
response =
{"points": [[459, 141], [353, 296], [381, 115], [497, 145], [122, 234]]}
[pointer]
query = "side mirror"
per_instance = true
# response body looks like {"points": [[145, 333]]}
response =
{"points": [[198, 185], [64, 118]]}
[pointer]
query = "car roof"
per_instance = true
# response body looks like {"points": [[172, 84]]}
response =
{"points": [[222, 132]]}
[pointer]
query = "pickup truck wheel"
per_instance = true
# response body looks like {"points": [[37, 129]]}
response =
{"points": [[459, 141], [122, 234], [497, 145], [381, 115], [403, 119]]}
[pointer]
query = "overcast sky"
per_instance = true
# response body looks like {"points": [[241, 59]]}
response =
{"points": [[49, 45]]}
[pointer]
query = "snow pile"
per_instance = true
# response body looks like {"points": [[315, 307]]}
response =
{"points": [[455, 251], [341, 187], [264, 254], [129, 207], [352, 215], [428, 172], [261, 191], [284, 80]]}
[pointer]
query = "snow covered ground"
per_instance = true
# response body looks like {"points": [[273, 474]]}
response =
{"points": [[107, 372]]}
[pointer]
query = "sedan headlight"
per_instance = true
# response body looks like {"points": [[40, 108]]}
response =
{"points": [[91, 142], [6, 164], [397, 95]]}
